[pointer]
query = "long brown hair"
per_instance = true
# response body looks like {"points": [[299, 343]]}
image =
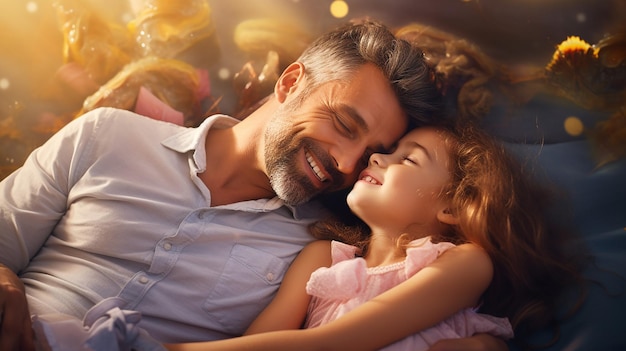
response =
{"points": [[503, 210]]}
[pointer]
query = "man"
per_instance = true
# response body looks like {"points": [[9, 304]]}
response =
{"points": [[194, 228]]}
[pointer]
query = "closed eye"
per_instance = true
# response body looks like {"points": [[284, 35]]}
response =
{"points": [[347, 120], [342, 126], [409, 160]]}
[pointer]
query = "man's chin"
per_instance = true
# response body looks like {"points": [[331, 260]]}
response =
{"points": [[293, 196], [293, 188]]}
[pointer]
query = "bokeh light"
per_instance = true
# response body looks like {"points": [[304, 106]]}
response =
{"points": [[31, 7], [223, 73], [573, 126], [4, 84], [339, 9]]}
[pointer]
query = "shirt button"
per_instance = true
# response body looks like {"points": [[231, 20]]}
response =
{"points": [[167, 246], [270, 276], [143, 279]]}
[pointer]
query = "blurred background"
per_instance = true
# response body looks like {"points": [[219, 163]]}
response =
{"points": [[548, 77], [59, 59]]}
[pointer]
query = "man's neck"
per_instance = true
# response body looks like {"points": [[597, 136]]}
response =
{"points": [[234, 172]]}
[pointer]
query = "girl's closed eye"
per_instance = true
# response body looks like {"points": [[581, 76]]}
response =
{"points": [[410, 160]]}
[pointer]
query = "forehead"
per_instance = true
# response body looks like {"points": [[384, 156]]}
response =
{"points": [[368, 95], [433, 140], [424, 134]]}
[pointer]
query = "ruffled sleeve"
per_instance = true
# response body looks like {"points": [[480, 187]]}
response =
{"points": [[346, 277], [341, 251], [423, 252]]}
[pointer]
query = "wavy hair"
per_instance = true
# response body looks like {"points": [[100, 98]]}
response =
{"points": [[503, 210]]}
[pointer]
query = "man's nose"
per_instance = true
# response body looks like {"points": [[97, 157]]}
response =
{"points": [[349, 159]]}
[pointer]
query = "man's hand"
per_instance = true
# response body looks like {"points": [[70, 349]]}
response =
{"points": [[15, 328], [478, 342]]}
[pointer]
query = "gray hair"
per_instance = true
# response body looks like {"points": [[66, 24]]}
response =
{"points": [[337, 54]]}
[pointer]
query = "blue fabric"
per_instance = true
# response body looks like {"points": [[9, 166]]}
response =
{"points": [[593, 202]]}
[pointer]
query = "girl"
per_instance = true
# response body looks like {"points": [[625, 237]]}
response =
{"points": [[452, 225]]}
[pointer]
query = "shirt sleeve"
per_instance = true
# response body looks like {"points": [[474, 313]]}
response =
{"points": [[34, 198]]}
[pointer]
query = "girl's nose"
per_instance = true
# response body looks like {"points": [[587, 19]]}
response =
{"points": [[378, 159]]}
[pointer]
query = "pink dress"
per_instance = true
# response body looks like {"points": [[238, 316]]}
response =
{"points": [[348, 283]]}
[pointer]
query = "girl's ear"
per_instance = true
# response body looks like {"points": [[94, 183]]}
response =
{"points": [[287, 82], [447, 216]]}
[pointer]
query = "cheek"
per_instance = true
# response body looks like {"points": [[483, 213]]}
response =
{"points": [[417, 200], [322, 132]]}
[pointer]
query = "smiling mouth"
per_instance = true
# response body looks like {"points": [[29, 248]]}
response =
{"points": [[316, 169], [370, 180]]}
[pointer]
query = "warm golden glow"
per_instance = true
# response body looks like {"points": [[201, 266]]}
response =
{"points": [[4, 84], [339, 9], [32, 7], [571, 44]]}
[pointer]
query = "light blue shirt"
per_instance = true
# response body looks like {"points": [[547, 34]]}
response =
{"points": [[112, 206]]}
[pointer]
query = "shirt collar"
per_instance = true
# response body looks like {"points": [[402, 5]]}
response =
{"points": [[193, 139], [311, 209], [259, 205]]}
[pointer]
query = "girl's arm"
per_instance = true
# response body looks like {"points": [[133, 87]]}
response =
{"points": [[453, 282], [288, 308]]}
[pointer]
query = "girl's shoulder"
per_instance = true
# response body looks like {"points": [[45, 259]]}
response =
{"points": [[422, 253], [317, 246], [317, 252], [467, 252], [470, 258]]}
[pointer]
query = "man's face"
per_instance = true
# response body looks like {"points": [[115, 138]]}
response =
{"points": [[322, 142]]}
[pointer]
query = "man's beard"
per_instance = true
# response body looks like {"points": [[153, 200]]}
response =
{"points": [[282, 148], [281, 158]]}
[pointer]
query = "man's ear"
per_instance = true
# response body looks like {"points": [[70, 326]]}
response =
{"points": [[288, 81], [447, 216]]}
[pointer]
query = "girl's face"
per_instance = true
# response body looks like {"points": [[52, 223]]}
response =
{"points": [[402, 190]]}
